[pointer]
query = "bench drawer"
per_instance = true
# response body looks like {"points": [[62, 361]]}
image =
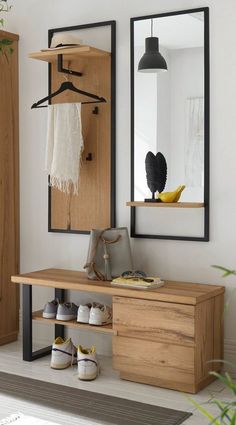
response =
{"points": [[166, 365], [154, 320]]}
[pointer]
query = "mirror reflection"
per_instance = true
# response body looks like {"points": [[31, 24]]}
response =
{"points": [[169, 102]]}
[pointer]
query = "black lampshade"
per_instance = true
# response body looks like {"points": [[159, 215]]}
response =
{"points": [[152, 60]]}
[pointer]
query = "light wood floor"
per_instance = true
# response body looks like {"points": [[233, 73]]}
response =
{"points": [[107, 383]]}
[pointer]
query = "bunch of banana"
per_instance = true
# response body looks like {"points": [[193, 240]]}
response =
{"points": [[171, 196]]}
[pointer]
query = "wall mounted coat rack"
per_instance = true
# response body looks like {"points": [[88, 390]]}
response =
{"points": [[94, 206]]}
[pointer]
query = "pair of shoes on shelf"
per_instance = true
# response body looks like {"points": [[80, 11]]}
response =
{"points": [[65, 354], [55, 310], [95, 314]]}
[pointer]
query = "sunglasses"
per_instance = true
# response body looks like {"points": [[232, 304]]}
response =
{"points": [[134, 273], [137, 276]]}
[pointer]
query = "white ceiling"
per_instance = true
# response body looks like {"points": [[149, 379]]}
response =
{"points": [[174, 32]]}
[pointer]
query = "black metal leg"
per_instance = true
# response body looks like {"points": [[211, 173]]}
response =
{"points": [[27, 323], [59, 329], [28, 354]]}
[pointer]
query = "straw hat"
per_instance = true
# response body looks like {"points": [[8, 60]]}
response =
{"points": [[65, 38]]}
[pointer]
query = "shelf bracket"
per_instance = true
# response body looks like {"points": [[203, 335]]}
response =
{"points": [[65, 70]]}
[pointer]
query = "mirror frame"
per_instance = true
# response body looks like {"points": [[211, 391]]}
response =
{"points": [[205, 237], [51, 32]]}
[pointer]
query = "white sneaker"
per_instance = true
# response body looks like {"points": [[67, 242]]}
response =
{"points": [[88, 368], [100, 315], [84, 313], [63, 353]]}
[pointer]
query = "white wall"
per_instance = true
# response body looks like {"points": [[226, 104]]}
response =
{"points": [[187, 81], [189, 261], [160, 121], [145, 127], [151, 118]]}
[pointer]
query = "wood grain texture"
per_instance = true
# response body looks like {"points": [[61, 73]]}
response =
{"points": [[176, 292], [69, 53], [165, 204], [187, 387], [91, 208], [154, 321], [9, 35], [8, 338], [204, 318], [37, 315], [218, 332], [173, 365], [9, 191], [204, 383], [163, 337]]}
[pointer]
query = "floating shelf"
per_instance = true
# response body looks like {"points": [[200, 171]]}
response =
{"points": [[165, 204], [107, 329], [69, 53]]}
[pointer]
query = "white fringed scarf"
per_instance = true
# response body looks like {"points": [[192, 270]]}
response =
{"points": [[64, 146]]}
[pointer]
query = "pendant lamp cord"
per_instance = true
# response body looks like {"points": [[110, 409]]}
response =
{"points": [[151, 27]]}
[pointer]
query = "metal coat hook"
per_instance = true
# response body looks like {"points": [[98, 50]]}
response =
{"points": [[95, 110], [89, 157], [60, 67]]}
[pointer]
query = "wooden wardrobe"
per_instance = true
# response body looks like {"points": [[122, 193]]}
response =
{"points": [[9, 189]]}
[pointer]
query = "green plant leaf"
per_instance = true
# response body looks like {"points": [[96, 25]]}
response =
{"points": [[233, 420], [2, 22], [225, 409], [226, 380], [6, 42], [205, 412], [227, 272]]}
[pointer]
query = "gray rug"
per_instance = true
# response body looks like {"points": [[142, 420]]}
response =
{"points": [[106, 409]]}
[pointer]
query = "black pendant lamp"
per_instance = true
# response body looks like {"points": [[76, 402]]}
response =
{"points": [[152, 61]]}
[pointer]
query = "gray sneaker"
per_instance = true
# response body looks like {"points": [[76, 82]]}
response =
{"points": [[67, 311], [50, 309]]}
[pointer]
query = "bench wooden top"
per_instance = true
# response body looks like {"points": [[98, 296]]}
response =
{"points": [[175, 292]]}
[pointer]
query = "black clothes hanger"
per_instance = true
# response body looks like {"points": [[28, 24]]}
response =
{"points": [[68, 85]]}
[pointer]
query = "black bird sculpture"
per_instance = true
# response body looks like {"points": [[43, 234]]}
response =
{"points": [[156, 172]]}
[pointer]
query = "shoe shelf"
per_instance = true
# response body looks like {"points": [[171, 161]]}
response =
{"points": [[107, 329], [165, 204]]}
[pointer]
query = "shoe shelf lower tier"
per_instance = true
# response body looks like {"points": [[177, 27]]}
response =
{"points": [[37, 315]]}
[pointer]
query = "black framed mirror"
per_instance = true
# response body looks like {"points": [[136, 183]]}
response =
{"points": [[170, 114]]}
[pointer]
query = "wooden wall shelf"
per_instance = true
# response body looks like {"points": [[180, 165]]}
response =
{"points": [[165, 204], [69, 53], [107, 329]]}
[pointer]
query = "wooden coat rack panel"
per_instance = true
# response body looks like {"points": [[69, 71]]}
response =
{"points": [[91, 208]]}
